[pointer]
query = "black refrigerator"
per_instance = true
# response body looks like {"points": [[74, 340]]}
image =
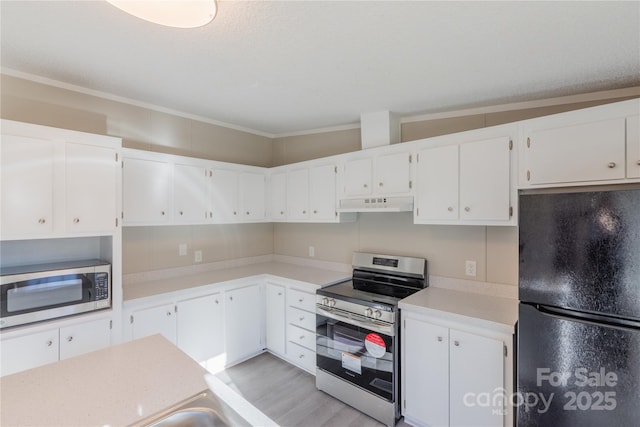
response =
{"points": [[578, 352]]}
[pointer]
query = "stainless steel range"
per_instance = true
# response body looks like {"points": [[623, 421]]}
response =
{"points": [[358, 333]]}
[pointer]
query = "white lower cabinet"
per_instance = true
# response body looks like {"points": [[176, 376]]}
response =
{"points": [[275, 320], [199, 328], [44, 347], [243, 322], [301, 329], [154, 320], [451, 377]]}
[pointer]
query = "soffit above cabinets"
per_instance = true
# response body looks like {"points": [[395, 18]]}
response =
{"points": [[281, 67]]}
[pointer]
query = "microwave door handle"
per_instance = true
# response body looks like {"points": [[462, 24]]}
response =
{"points": [[373, 326]]}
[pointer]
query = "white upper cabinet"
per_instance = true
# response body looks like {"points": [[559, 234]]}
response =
{"points": [[278, 196], [298, 194], [592, 151], [27, 186], [91, 188], [191, 193], [252, 196], [633, 147], [468, 183], [381, 174], [146, 191], [224, 195], [322, 193], [358, 177], [392, 174], [57, 183]]}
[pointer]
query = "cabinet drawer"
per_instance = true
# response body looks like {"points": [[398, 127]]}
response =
{"points": [[301, 337], [302, 357], [301, 318], [300, 299]]}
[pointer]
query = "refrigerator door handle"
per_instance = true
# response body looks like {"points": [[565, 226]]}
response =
{"points": [[588, 317]]}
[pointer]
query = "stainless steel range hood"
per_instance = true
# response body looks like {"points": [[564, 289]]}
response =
{"points": [[377, 204]]}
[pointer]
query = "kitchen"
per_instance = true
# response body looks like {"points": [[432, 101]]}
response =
{"points": [[153, 250]]}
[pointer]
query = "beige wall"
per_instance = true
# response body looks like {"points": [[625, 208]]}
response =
{"points": [[142, 128], [445, 247], [293, 149]]}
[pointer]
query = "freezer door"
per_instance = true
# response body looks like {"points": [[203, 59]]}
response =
{"points": [[576, 373], [581, 251]]}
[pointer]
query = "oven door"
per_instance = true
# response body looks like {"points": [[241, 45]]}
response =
{"points": [[360, 350]]}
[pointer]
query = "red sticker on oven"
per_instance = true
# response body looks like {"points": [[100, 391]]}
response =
{"points": [[375, 345]]}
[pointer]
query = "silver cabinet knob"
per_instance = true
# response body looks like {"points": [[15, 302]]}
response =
{"points": [[315, 211], [456, 343], [279, 293], [301, 356], [281, 212], [304, 212], [300, 299], [217, 302], [76, 220], [638, 163], [247, 213], [70, 338], [235, 213], [301, 337], [301, 318], [450, 209], [162, 213], [439, 339], [181, 213], [42, 221], [611, 165], [168, 314], [381, 184], [49, 343], [365, 186], [467, 209], [231, 298]]}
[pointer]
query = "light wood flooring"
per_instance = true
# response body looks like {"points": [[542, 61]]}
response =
{"points": [[289, 397]]}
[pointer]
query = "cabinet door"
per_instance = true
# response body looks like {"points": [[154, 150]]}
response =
{"points": [[252, 188], [84, 338], [200, 327], [190, 193], [91, 188], [278, 196], [476, 369], [358, 177], [29, 351], [298, 194], [154, 320], [633, 147], [243, 322], [322, 193], [275, 316], [585, 152], [484, 180], [224, 195], [145, 191], [392, 174], [425, 373], [27, 185], [437, 184]]}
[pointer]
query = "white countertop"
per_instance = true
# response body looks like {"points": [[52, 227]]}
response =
{"points": [[115, 386], [312, 275], [483, 310]]}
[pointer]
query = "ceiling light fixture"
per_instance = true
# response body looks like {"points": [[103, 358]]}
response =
{"points": [[172, 13]]}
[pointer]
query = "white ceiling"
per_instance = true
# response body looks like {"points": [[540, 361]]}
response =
{"points": [[279, 67]]}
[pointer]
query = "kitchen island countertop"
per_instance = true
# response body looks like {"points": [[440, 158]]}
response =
{"points": [[116, 386]]}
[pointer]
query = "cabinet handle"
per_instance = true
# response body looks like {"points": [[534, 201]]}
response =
{"points": [[42, 221], [611, 165], [230, 298], [217, 302], [70, 338], [439, 339], [235, 213], [301, 356], [301, 337], [76, 220], [49, 343], [315, 211], [365, 185], [450, 209], [181, 213], [281, 212], [279, 293], [302, 318], [467, 209], [380, 184], [162, 213], [638, 163], [456, 343], [304, 212], [168, 314]]}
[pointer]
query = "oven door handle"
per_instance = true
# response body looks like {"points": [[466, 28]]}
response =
{"points": [[374, 326]]}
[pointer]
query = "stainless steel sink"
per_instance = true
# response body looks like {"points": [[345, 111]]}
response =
{"points": [[200, 410]]}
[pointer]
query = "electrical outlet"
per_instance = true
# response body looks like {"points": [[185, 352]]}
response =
{"points": [[198, 256], [470, 268], [182, 249], [312, 251]]}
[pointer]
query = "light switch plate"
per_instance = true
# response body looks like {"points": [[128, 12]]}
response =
{"points": [[470, 268], [182, 249]]}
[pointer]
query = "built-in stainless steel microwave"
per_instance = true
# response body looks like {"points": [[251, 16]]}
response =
{"points": [[35, 293]]}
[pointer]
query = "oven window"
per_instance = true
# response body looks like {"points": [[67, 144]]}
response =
{"points": [[356, 354], [44, 293]]}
